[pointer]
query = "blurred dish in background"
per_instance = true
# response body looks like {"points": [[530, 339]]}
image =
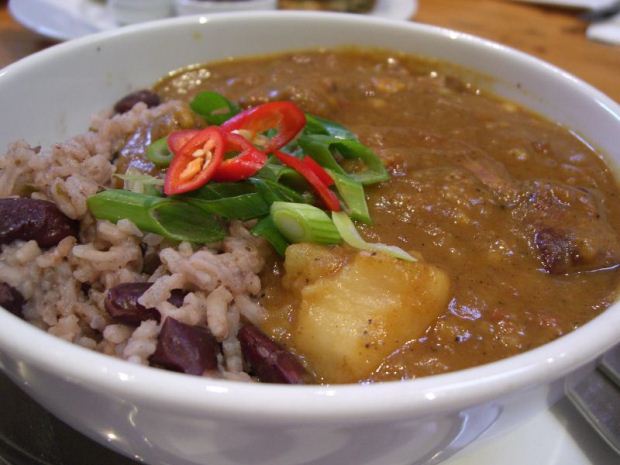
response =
{"points": [[62, 19], [585, 4], [137, 11], [192, 7], [393, 9], [69, 19], [345, 6]]}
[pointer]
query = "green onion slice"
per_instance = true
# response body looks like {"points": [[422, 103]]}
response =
{"points": [[221, 190], [351, 236], [164, 216], [352, 192], [136, 181], [275, 171], [159, 153], [267, 229], [242, 207], [300, 222], [213, 107], [322, 126], [322, 149], [272, 191]]}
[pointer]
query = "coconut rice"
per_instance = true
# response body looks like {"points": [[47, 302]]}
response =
{"points": [[65, 286]]}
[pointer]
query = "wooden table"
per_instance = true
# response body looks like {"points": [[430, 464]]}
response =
{"points": [[553, 34]]}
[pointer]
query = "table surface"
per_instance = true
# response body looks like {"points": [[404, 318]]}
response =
{"points": [[553, 34]]}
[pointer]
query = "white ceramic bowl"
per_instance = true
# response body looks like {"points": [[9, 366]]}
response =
{"points": [[168, 418]]}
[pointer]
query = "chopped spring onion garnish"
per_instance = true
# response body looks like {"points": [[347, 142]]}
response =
{"points": [[159, 153], [267, 229], [352, 192], [351, 236], [275, 171], [272, 191], [136, 181], [213, 107], [317, 125], [300, 222], [220, 190], [327, 196], [272, 184], [242, 207], [167, 217], [323, 148]]}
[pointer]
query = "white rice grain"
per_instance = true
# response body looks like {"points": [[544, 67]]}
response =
{"points": [[28, 252], [117, 333], [217, 306], [142, 343]]}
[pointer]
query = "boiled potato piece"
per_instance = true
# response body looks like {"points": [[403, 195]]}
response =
{"points": [[305, 263], [351, 316]]}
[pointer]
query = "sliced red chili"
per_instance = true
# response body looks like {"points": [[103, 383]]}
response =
{"points": [[318, 170], [178, 139], [285, 117], [195, 162], [242, 166], [328, 197]]}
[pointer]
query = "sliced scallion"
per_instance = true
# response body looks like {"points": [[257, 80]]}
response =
{"points": [[213, 107], [136, 181], [318, 125], [275, 171], [352, 192], [273, 191], [164, 216], [267, 229], [183, 222], [322, 149], [300, 222], [159, 153], [221, 190], [318, 147], [242, 207], [351, 236]]}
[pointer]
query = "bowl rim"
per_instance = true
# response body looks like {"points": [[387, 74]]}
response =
{"points": [[270, 402]]}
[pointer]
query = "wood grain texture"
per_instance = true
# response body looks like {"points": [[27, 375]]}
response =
{"points": [[553, 34], [15, 40]]}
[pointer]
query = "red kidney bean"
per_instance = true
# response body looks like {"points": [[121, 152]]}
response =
{"points": [[27, 219], [176, 297], [185, 348], [128, 101], [11, 299], [269, 361], [121, 302]]}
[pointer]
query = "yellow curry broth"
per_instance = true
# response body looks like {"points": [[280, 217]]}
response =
{"points": [[427, 124]]}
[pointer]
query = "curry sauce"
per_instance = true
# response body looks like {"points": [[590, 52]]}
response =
{"points": [[520, 214]]}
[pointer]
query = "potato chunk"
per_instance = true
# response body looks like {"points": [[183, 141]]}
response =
{"points": [[305, 263], [349, 320]]}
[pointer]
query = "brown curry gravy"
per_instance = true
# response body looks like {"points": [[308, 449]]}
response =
{"points": [[426, 119]]}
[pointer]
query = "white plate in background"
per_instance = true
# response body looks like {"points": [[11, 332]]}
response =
{"points": [[69, 19], [62, 19]]}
